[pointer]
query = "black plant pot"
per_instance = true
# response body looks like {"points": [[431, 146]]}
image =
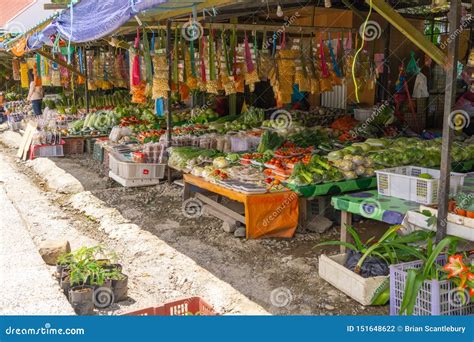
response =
{"points": [[82, 299], [120, 288], [65, 283]]}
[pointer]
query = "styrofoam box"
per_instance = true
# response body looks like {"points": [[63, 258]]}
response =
{"points": [[459, 226], [130, 183], [130, 170], [48, 151], [403, 182], [363, 290]]}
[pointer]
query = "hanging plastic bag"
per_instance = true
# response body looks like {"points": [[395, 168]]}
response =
{"points": [[412, 67], [420, 89], [136, 62], [325, 82]]}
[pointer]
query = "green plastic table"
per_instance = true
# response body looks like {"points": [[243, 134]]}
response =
{"points": [[386, 209]]}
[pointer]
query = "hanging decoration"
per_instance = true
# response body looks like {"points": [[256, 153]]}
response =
{"points": [[325, 82], [315, 87], [16, 69], [226, 72], [211, 85], [251, 75], [24, 75]]}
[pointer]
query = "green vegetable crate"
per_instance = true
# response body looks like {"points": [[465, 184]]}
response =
{"points": [[89, 145], [98, 152]]}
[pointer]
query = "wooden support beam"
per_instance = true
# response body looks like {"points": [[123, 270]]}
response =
{"points": [[60, 62], [407, 29], [207, 5], [450, 93], [253, 27], [54, 6]]}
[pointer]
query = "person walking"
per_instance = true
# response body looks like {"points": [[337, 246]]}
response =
{"points": [[35, 95]]}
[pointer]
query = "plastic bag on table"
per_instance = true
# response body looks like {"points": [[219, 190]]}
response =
{"points": [[372, 266]]}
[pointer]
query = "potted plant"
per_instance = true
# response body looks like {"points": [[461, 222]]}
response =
{"points": [[63, 262], [441, 294], [362, 273], [119, 284], [462, 201], [81, 296]]}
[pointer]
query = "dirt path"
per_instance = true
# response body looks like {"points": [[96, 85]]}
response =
{"points": [[280, 275]]}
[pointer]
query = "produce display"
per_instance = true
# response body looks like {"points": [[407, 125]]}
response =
{"points": [[383, 153]]}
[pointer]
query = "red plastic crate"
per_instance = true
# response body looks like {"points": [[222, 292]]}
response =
{"points": [[44, 151], [193, 305]]}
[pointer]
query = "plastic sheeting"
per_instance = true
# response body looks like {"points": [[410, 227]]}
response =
{"points": [[91, 20]]}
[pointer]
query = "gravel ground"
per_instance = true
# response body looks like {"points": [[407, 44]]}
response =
{"points": [[280, 275]]}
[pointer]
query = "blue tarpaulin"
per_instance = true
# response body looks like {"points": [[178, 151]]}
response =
{"points": [[90, 20]]}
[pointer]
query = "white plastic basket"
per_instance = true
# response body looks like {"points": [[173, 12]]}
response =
{"points": [[403, 182], [134, 171], [132, 183], [363, 114]]}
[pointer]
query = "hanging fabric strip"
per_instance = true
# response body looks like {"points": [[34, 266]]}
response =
{"points": [[226, 54], [338, 45], [136, 61], [203, 64], [324, 66], [333, 57], [175, 57], [183, 56], [192, 58], [212, 63], [233, 51], [348, 45], [80, 60], [248, 55], [152, 44], [38, 65], [274, 43], [147, 57]]}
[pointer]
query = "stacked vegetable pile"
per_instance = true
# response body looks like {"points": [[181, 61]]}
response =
{"points": [[101, 121], [383, 153]]}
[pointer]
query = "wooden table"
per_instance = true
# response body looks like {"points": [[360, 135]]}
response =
{"points": [[273, 214]]}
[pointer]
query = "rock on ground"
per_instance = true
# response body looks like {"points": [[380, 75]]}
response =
{"points": [[50, 250], [56, 178]]}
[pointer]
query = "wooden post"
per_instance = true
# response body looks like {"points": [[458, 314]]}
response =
{"points": [[346, 220], [386, 64], [450, 93], [169, 118], [86, 83]]}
